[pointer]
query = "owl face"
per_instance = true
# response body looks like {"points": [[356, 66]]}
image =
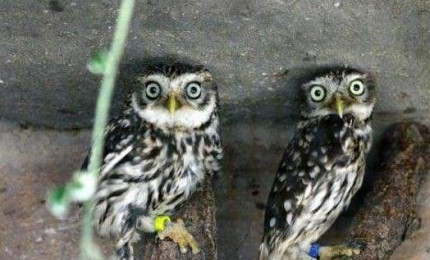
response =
{"points": [[176, 97], [342, 91]]}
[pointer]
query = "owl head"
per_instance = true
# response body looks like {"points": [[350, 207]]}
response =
{"points": [[176, 96], [338, 91]]}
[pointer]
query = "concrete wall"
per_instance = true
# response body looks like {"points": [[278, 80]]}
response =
{"points": [[248, 45]]}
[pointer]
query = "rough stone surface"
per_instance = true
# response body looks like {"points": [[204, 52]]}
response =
{"points": [[248, 45], [385, 213], [199, 217]]}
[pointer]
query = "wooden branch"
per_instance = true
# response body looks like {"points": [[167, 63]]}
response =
{"points": [[199, 217], [387, 216]]}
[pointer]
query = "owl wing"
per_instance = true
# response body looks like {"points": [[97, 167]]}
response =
{"points": [[120, 134], [309, 157], [213, 153]]}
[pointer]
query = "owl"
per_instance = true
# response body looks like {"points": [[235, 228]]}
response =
{"points": [[158, 149], [322, 167]]}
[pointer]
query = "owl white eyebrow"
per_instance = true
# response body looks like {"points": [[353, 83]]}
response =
{"points": [[316, 82], [353, 77], [188, 77], [155, 77]]}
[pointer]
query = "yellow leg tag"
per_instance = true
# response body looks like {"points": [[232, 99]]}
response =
{"points": [[160, 223]]}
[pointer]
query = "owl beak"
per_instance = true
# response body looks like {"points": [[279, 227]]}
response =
{"points": [[172, 103], [339, 105]]}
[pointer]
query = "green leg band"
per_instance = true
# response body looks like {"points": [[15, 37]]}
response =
{"points": [[160, 223]]}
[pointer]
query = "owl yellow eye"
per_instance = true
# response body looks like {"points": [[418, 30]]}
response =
{"points": [[153, 90], [356, 87], [317, 93], [194, 90]]}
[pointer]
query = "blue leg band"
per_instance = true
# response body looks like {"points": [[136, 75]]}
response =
{"points": [[314, 252]]}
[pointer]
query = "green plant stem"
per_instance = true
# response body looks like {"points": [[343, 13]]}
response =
{"points": [[102, 115]]}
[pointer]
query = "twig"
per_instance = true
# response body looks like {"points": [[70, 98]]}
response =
{"points": [[88, 248]]}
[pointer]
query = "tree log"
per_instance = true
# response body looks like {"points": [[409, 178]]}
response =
{"points": [[387, 214], [199, 217]]}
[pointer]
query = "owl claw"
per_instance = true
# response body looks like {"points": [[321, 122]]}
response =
{"points": [[334, 252], [179, 234]]}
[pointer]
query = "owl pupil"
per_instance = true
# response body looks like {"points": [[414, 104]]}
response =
{"points": [[318, 93], [153, 90], [356, 87], [193, 90]]}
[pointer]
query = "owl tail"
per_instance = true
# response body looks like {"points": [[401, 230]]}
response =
{"points": [[125, 252], [124, 249]]}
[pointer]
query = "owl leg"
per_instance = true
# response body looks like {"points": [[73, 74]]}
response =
{"points": [[334, 252], [177, 232]]}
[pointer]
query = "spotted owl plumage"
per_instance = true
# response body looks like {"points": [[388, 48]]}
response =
{"points": [[323, 165], [158, 149]]}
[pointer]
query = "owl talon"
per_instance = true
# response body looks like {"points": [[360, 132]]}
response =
{"points": [[179, 234], [334, 252]]}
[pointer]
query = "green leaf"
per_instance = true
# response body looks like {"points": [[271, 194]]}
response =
{"points": [[58, 202], [83, 186], [97, 63], [59, 195], [76, 185]]}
